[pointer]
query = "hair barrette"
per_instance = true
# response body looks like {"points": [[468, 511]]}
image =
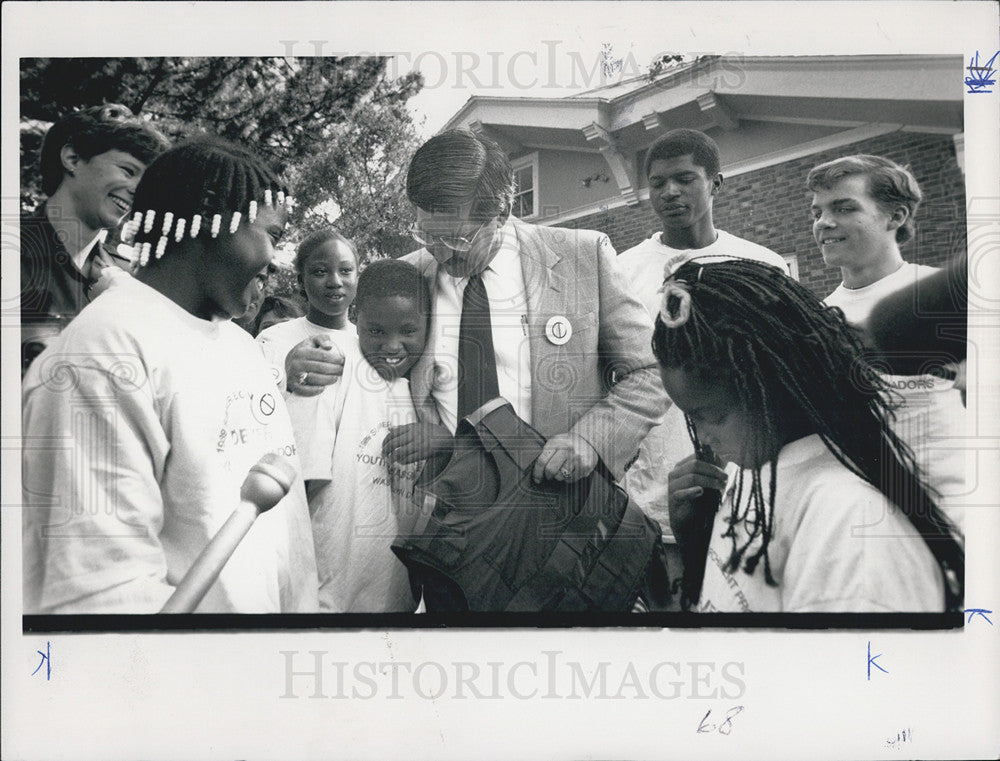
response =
{"points": [[679, 289]]}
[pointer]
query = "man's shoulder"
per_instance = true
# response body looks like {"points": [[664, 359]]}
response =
{"points": [[747, 249], [556, 236], [644, 249], [422, 259]]}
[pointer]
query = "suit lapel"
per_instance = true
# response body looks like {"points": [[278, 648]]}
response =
{"points": [[544, 282], [545, 291]]}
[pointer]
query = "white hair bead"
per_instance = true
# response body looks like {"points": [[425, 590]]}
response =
{"points": [[234, 223], [216, 224], [168, 219], [195, 225], [128, 233], [144, 254], [267, 197], [252, 212], [281, 198], [161, 246], [150, 216], [179, 233]]}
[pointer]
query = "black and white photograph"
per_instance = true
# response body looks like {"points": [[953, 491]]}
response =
{"points": [[464, 365]]}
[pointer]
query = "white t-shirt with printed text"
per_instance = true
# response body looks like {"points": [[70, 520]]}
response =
{"points": [[837, 546], [365, 501], [161, 416]]}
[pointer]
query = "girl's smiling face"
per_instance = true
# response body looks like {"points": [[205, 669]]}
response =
{"points": [[232, 263], [330, 279]]}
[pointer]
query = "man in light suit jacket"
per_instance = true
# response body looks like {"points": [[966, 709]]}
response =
{"points": [[572, 347]]}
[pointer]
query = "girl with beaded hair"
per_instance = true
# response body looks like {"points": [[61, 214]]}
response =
{"points": [[165, 405], [823, 492]]}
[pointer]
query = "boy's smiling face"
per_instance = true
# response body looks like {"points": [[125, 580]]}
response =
{"points": [[392, 332]]}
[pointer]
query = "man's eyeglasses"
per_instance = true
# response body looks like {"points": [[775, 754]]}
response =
{"points": [[454, 242]]}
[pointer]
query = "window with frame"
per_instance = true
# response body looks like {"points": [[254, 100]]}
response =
{"points": [[793, 265], [526, 181]]}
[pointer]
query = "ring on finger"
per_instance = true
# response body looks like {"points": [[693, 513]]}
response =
{"points": [[302, 378], [565, 472]]}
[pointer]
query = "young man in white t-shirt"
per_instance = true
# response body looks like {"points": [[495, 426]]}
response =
{"points": [[863, 209], [683, 171]]}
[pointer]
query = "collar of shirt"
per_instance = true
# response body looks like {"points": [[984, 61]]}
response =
{"points": [[94, 247]]}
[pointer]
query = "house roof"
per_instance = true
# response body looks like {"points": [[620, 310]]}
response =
{"points": [[922, 92]]}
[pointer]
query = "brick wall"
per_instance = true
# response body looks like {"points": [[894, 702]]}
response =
{"points": [[770, 206]]}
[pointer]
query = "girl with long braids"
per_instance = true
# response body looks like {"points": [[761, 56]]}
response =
{"points": [[161, 405], [824, 511]]}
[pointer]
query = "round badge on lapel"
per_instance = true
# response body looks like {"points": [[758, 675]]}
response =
{"points": [[558, 330]]}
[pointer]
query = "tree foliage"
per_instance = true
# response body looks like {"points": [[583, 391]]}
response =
{"points": [[362, 169], [292, 111]]}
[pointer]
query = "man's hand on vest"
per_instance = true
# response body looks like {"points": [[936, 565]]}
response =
{"points": [[413, 442], [312, 365], [567, 457]]}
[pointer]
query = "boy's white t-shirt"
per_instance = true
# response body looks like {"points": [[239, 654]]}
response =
{"points": [[667, 443], [159, 417], [858, 303], [280, 339], [366, 501], [837, 546], [931, 417]]}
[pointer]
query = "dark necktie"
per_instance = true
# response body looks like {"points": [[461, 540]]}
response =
{"points": [[477, 363]]}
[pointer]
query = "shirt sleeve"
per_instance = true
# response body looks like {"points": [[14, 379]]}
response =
{"points": [[92, 456], [315, 421]]}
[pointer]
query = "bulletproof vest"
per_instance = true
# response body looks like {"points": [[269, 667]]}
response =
{"points": [[487, 538]]}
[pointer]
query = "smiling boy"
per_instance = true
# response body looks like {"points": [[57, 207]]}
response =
{"points": [[863, 210], [359, 498], [91, 162]]}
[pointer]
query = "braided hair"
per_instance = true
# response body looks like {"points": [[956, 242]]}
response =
{"points": [[203, 187], [794, 365]]}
